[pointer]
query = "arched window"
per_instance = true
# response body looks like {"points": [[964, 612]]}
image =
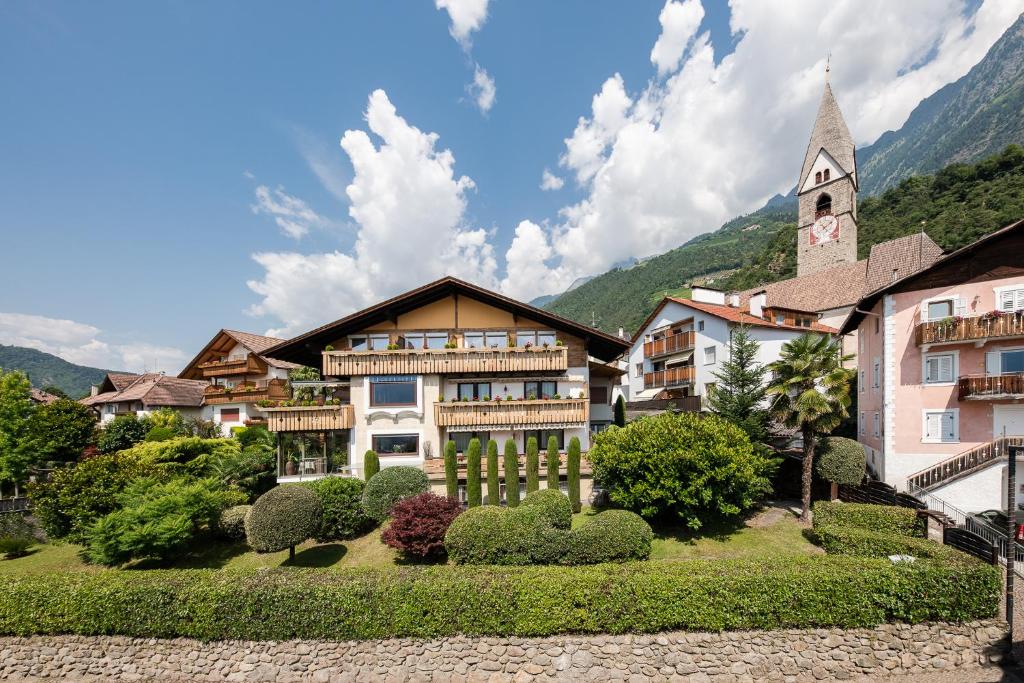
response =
{"points": [[823, 205], [817, 178], [825, 174]]}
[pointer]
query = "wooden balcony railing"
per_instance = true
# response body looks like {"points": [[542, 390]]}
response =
{"points": [[974, 328], [962, 464], [241, 365], [523, 414], [674, 343], [981, 387], [443, 361], [670, 377], [247, 392], [309, 418]]}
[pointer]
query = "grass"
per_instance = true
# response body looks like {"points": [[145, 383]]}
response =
{"points": [[774, 532]]}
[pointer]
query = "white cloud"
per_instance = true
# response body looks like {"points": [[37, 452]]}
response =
{"points": [[528, 274], [409, 206], [325, 166], [80, 343], [466, 16], [293, 215], [482, 89], [679, 24], [549, 181]]}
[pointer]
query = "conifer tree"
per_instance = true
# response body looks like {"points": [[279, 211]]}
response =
{"points": [[740, 390]]}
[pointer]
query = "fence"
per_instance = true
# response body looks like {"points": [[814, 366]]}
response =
{"points": [[879, 493], [14, 504]]}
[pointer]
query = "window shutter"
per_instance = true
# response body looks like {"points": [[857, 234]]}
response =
{"points": [[945, 373], [948, 426], [959, 307], [992, 366], [933, 425]]}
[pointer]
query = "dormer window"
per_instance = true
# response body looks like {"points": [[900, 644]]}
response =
{"points": [[823, 206]]}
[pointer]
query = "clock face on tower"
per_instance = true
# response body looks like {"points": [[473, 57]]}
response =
{"points": [[824, 229]]}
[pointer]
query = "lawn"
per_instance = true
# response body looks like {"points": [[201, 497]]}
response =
{"points": [[773, 532]]}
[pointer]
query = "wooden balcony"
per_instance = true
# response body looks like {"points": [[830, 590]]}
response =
{"points": [[674, 343], [444, 361], [309, 418], [670, 377], [247, 392], [514, 414], [978, 329], [991, 387], [242, 365]]}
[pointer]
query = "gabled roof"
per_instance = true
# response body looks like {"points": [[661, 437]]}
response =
{"points": [[868, 301], [730, 314], [897, 258], [306, 348], [44, 397], [825, 290], [152, 389], [830, 134], [256, 343]]}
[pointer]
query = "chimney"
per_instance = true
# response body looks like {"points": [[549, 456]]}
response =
{"points": [[622, 333], [757, 303], [707, 295], [94, 390]]}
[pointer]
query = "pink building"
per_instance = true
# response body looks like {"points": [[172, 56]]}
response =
{"points": [[941, 372]]}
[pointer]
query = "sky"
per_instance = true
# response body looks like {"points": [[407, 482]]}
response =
{"points": [[170, 169]]}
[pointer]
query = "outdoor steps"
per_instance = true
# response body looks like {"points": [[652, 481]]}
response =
{"points": [[963, 464]]}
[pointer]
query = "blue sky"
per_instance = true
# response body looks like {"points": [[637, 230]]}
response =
{"points": [[135, 138]]}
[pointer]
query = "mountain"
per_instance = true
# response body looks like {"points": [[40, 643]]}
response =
{"points": [[967, 120], [45, 369], [976, 116]]}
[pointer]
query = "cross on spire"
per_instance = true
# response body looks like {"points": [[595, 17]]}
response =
{"points": [[828, 60]]}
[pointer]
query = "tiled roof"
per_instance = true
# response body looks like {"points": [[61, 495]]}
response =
{"points": [[155, 389], [896, 259], [741, 316], [831, 134], [836, 287], [40, 396], [258, 343], [120, 380]]}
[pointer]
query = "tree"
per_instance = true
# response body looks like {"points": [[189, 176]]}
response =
{"points": [[620, 411], [810, 393], [473, 493], [371, 465], [572, 470], [511, 473], [60, 430], [740, 389], [532, 465], [16, 408], [451, 471], [493, 483], [554, 461], [124, 431]]}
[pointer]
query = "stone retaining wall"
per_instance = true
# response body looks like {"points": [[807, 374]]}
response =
{"points": [[796, 655]]}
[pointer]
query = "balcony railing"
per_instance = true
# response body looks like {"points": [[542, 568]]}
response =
{"points": [[990, 387], [670, 377], [512, 413], [674, 343], [247, 392], [309, 418], [443, 361], [962, 464], [237, 365], [975, 328]]}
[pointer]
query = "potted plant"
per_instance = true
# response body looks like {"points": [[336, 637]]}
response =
{"points": [[329, 347], [486, 398], [451, 345], [290, 465], [559, 342]]}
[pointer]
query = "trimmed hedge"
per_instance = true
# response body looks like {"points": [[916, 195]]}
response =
{"points": [[281, 518], [432, 602], [503, 536], [886, 518], [840, 460], [850, 540], [389, 486], [556, 507], [341, 503], [610, 536], [231, 524]]}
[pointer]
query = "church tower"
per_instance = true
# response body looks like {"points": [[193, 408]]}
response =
{"points": [[827, 192]]}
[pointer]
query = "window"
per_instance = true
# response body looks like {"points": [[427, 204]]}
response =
{"points": [[878, 324], [638, 370], [941, 426], [700, 325], [709, 355], [862, 384], [396, 444], [373, 342], [823, 206], [937, 310], [599, 395], [496, 340], [436, 340], [473, 340], [780, 318], [817, 178], [1010, 298], [542, 436], [462, 440], [825, 174], [939, 368], [709, 388], [1011, 361], [534, 338], [393, 390], [876, 424], [861, 427], [876, 373], [475, 391], [229, 415], [535, 390]]}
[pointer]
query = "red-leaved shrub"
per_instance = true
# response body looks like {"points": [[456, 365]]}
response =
{"points": [[419, 523]]}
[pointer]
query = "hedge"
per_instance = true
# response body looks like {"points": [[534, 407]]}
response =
{"points": [[389, 486], [850, 540], [887, 518], [231, 524], [505, 536], [431, 602], [341, 503], [609, 536], [556, 507]]}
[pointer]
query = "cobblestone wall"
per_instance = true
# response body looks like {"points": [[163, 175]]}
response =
{"points": [[734, 656]]}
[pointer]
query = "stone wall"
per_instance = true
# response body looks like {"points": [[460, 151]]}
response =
{"points": [[796, 655]]}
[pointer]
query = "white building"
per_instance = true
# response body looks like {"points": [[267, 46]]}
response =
{"points": [[123, 393]]}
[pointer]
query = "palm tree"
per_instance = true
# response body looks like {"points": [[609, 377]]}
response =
{"points": [[810, 391]]}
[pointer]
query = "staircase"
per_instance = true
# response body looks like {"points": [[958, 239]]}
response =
{"points": [[962, 464]]}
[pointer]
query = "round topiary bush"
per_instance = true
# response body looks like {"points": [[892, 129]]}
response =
{"points": [[341, 500], [841, 461], [282, 518], [419, 523], [556, 506], [610, 536], [495, 535], [232, 522], [389, 486]]}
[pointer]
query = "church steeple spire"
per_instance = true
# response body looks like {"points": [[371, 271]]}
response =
{"points": [[830, 134]]}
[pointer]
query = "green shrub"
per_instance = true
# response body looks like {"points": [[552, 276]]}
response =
{"points": [[851, 540], [451, 471], [251, 470], [493, 478], [474, 496], [124, 431], [557, 508], [553, 461], [511, 473], [159, 434], [687, 467], [231, 525], [840, 460], [433, 602], [283, 517], [505, 536], [532, 465], [572, 470], [389, 486], [887, 518], [60, 431], [620, 411], [610, 536], [16, 535], [157, 520], [341, 504], [371, 465]]}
